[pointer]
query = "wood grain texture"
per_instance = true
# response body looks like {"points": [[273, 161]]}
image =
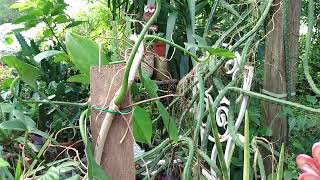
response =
{"points": [[274, 74], [293, 30], [117, 159]]}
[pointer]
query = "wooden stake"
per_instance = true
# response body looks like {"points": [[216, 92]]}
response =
{"points": [[117, 159]]}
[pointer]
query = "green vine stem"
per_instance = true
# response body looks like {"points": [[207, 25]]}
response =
{"points": [[82, 126], [201, 107], [224, 91], [210, 162], [308, 47], [153, 37], [274, 100], [246, 151], [122, 92], [187, 167], [124, 84], [256, 27], [62, 103], [223, 165]]}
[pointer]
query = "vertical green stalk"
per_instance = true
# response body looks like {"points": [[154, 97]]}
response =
{"points": [[187, 167], [82, 126], [308, 47], [120, 95], [280, 164], [201, 104], [215, 132], [246, 153]]}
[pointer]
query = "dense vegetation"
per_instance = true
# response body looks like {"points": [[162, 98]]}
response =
{"points": [[179, 113]]}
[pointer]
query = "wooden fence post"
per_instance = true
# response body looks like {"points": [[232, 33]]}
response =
{"points": [[117, 159]]}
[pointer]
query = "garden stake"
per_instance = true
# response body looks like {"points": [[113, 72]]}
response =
{"points": [[121, 93]]}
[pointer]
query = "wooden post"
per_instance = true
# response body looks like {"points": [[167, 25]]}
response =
{"points": [[117, 159], [274, 80], [293, 28]]}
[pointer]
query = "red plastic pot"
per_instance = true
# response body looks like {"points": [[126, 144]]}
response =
{"points": [[160, 49]]}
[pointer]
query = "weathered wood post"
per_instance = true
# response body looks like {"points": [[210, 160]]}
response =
{"points": [[117, 158]]}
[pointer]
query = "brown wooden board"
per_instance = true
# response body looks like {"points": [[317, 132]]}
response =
{"points": [[117, 159]]}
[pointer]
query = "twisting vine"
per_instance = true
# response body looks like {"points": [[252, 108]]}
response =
{"points": [[308, 46]]}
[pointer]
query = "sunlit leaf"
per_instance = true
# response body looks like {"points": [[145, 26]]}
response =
{"points": [[27, 72], [212, 51], [80, 78], [46, 54], [3, 163], [74, 23], [83, 52]]}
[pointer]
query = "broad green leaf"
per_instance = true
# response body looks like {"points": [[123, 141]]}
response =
{"points": [[45, 54], [58, 9], [80, 78], [61, 19], [83, 52], [15, 124], [3, 163], [25, 18], [26, 49], [6, 107], [213, 51], [150, 86], [47, 7], [168, 121], [142, 125], [27, 72]]}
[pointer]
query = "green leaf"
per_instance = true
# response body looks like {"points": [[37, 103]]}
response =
{"points": [[74, 23], [80, 78], [18, 170], [8, 40], [213, 51], [45, 54], [47, 33], [150, 86], [3, 163], [280, 163], [83, 52], [6, 83], [142, 125], [25, 18], [171, 22], [94, 170], [61, 19], [27, 72], [15, 124], [168, 121]]}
